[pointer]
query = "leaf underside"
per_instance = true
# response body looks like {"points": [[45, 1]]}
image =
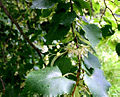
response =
{"points": [[42, 4], [91, 61], [93, 33], [97, 83]]}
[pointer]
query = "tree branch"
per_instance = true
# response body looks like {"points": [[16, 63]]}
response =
{"points": [[113, 15], [114, 3], [3, 53], [21, 31], [102, 15], [2, 85], [79, 57]]}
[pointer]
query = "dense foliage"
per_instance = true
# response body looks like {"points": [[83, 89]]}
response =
{"points": [[48, 47]]}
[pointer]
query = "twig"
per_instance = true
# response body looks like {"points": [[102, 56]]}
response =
{"points": [[113, 16], [77, 82], [2, 85], [91, 5], [76, 41], [21, 31], [102, 15], [114, 3], [3, 52], [106, 7]]}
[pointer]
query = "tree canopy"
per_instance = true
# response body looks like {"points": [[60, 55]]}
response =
{"points": [[48, 48]]}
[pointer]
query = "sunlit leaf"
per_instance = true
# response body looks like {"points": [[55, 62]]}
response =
{"points": [[97, 83], [91, 61], [93, 33], [42, 4]]}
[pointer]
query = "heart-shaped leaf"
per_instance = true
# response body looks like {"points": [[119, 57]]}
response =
{"points": [[48, 82]]}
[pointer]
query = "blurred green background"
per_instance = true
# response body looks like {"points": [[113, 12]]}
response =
{"points": [[110, 62]]}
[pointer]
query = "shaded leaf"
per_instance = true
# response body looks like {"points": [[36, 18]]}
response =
{"points": [[81, 4], [46, 12], [57, 33], [60, 23], [48, 82], [62, 7], [62, 15], [119, 27], [97, 83], [68, 18], [118, 49], [107, 20], [107, 31], [64, 64], [93, 33]]}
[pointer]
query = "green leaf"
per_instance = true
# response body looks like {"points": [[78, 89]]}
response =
{"points": [[64, 64], [78, 6], [96, 6], [56, 33], [91, 61], [116, 1], [118, 49], [107, 20], [48, 82], [68, 18], [42, 4], [93, 33], [119, 27], [62, 15], [60, 23], [107, 31], [81, 4], [46, 12], [97, 83]]}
